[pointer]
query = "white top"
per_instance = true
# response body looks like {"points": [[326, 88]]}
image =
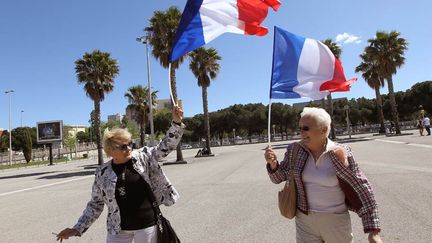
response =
{"points": [[426, 121], [321, 184]]}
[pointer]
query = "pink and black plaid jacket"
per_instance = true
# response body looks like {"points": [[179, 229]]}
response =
{"points": [[359, 196]]}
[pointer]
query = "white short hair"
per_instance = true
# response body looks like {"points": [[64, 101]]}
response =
{"points": [[321, 117]]}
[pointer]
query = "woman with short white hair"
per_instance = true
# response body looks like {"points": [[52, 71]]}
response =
{"points": [[132, 185], [328, 184]]}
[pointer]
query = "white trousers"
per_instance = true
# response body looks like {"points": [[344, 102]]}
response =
{"points": [[323, 227], [146, 235]]}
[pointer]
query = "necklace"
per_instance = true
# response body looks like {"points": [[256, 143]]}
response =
{"points": [[122, 184]]}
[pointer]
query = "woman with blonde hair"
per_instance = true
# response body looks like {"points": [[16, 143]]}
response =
{"points": [[328, 182], [129, 184]]}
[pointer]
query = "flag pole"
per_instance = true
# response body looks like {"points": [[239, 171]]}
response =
{"points": [[268, 127], [169, 84]]}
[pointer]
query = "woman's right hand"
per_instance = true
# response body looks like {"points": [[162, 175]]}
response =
{"points": [[270, 157], [66, 233]]}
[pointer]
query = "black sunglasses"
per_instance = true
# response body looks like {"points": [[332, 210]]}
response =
{"points": [[304, 128], [123, 147]]}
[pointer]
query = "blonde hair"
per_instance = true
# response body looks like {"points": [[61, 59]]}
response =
{"points": [[114, 136], [321, 117]]}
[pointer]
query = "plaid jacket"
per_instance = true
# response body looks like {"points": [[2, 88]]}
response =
{"points": [[359, 196], [145, 162]]}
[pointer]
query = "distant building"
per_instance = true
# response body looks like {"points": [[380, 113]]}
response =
{"points": [[115, 117], [161, 104], [316, 103], [166, 104], [74, 129]]}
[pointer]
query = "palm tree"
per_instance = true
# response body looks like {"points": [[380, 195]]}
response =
{"points": [[205, 67], [387, 50], [372, 78], [97, 71], [336, 50], [138, 97], [162, 32]]}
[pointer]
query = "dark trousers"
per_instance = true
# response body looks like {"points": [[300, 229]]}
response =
{"points": [[428, 130]]}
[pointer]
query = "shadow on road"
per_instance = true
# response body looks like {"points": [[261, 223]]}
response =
{"points": [[67, 175], [88, 167], [25, 175]]}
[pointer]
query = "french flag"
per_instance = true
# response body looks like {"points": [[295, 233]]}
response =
{"points": [[204, 20], [304, 67]]}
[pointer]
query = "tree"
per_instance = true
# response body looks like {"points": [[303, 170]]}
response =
{"points": [[162, 30], [27, 149], [370, 74], [138, 98], [97, 71], [336, 50], [205, 67], [387, 50]]}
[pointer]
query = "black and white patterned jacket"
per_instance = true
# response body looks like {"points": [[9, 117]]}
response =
{"points": [[145, 162]]}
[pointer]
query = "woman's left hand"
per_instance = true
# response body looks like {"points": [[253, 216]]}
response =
{"points": [[177, 114], [374, 238]]}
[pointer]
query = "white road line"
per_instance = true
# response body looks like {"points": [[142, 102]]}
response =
{"points": [[390, 141], [47, 185], [420, 145], [406, 143], [395, 166]]}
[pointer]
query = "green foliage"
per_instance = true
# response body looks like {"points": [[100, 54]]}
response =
{"points": [[27, 149]]}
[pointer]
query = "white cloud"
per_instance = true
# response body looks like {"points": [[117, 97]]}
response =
{"points": [[346, 38]]}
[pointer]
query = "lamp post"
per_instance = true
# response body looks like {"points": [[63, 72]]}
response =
{"points": [[9, 92], [21, 116], [145, 40], [234, 136], [346, 107]]}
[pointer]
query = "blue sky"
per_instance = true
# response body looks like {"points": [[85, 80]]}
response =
{"points": [[40, 40]]}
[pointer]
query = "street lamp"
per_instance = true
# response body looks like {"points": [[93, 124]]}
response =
{"points": [[9, 92], [21, 116], [346, 107], [145, 40]]}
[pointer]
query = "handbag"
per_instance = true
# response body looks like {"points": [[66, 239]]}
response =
{"points": [[165, 232], [288, 195]]}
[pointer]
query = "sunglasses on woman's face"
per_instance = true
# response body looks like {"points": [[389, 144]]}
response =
{"points": [[304, 128], [123, 147]]}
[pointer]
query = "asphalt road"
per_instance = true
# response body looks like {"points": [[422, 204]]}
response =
{"points": [[226, 198]]}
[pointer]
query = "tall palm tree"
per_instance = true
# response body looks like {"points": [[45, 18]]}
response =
{"points": [[337, 51], [387, 50], [138, 97], [373, 79], [162, 32], [97, 71], [205, 67]]}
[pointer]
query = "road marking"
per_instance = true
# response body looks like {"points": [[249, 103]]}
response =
{"points": [[406, 143], [395, 166], [390, 141], [43, 186]]}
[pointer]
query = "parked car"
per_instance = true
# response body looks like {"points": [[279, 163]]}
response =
{"points": [[186, 146]]}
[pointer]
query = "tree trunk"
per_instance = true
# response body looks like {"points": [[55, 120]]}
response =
{"points": [[174, 93], [330, 105], [395, 115], [380, 109], [206, 118], [142, 134], [98, 131]]}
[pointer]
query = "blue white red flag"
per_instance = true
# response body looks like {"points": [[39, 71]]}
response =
{"points": [[303, 67], [204, 20]]}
